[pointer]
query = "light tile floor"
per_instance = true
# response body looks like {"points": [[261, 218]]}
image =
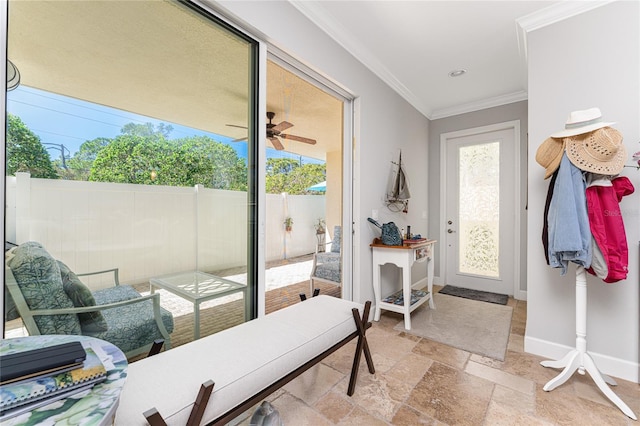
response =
{"points": [[421, 382]]}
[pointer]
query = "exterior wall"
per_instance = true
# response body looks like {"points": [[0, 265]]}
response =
{"points": [[590, 60], [510, 112], [147, 231]]}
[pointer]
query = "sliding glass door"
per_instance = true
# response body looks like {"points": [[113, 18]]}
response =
{"points": [[131, 144]]}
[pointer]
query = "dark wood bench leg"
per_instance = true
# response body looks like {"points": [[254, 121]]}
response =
{"points": [[303, 296], [201, 403], [154, 418], [362, 324], [156, 347]]}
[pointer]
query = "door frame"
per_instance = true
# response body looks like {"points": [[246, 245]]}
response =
{"points": [[514, 126]]}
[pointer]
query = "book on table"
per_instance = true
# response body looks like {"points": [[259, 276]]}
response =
{"points": [[24, 395]]}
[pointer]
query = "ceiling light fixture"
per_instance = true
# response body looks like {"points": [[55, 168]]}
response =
{"points": [[457, 73]]}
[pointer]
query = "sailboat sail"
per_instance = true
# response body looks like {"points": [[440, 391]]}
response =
{"points": [[398, 193]]}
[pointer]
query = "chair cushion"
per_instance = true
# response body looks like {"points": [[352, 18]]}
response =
{"points": [[81, 296], [337, 239], [10, 308], [132, 326], [39, 280], [329, 267]]}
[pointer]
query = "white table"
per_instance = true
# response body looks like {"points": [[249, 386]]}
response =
{"points": [[198, 287], [403, 257]]}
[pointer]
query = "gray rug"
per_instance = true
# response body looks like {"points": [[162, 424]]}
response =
{"points": [[482, 296], [477, 327]]}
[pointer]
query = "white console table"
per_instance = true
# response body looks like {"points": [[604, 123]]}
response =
{"points": [[403, 257]]}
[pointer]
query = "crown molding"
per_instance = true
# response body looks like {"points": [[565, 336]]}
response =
{"points": [[323, 20], [480, 105], [550, 15]]}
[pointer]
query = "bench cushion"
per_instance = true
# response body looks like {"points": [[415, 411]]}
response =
{"points": [[241, 361]]}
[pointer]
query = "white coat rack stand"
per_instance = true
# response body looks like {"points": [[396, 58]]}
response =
{"points": [[578, 359]]}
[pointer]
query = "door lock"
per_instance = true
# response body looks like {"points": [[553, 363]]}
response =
{"points": [[450, 231]]}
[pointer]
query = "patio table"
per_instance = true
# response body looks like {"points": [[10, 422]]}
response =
{"points": [[198, 287]]}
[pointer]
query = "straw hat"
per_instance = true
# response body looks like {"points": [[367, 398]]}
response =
{"points": [[600, 151], [549, 155], [582, 122]]}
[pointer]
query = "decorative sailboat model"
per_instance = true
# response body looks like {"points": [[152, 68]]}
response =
{"points": [[398, 194]]}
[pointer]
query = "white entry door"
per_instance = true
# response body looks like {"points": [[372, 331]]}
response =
{"points": [[480, 209]]}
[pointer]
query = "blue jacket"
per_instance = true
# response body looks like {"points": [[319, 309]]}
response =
{"points": [[569, 233]]}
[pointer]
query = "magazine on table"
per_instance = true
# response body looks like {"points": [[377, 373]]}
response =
{"points": [[41, 390]]}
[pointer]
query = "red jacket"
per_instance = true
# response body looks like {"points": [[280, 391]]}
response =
{"points": [[607, 226]]}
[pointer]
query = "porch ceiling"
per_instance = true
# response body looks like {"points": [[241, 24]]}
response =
{"points": [[149, 58]]}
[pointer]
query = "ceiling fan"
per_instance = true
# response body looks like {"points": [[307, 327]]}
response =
{"points": [[274, 131]]}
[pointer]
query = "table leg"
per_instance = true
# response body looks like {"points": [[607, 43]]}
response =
{"points": [[430, 281], [196, 320], [376, 291], [406, 292]]}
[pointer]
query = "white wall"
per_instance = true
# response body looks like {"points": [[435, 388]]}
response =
{"points": [[387, 123], [591, 60]]}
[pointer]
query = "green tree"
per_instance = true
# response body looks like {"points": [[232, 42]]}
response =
{"points": [[79, 166], [154, 160], [25, 152], [147, 130], [288, 175]]}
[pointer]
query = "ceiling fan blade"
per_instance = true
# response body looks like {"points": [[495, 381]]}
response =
{"points": [[276, 143], [240, 139], [298, 139], [282, 126], [239, 127]]}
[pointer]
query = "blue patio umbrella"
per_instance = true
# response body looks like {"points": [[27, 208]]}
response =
{"points": [[322, 186]]}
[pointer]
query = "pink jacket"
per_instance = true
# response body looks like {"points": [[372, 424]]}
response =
{"points": [[607, 226]]}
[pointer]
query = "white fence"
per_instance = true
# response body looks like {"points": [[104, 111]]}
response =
{"points": [[147, 231]]}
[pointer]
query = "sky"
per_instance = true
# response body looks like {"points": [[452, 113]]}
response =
{"points": [[62, 120]]}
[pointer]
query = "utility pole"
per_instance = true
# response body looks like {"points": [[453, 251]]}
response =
{"points": [[60, 147]]}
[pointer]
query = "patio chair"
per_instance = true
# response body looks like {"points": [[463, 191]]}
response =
{"points": [[51, 299], [327, 266]]}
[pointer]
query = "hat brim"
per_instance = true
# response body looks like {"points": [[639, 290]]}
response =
{"points": [[580, 130], [578, 154], [549, 155]]}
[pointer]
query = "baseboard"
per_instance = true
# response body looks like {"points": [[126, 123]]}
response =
{"points": [[608, 365]]}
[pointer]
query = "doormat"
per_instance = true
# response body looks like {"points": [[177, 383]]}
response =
{"points": [[476, 327], [482, 296]]}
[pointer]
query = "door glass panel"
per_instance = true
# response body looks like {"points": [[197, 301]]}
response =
{"points": [[479, 209], [303, 186], [131, 145]]}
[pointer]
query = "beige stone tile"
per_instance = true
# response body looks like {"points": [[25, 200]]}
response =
{"points": [[503, 378], [389, 345], [451, 396], [489, 362], [295, 412], [513, 400], [407, 416], [334, 406], [516, 343], [564, 408], [410, 369], [311, 385], [359, 417], [528, 366], [442, 353], [376, 394]]}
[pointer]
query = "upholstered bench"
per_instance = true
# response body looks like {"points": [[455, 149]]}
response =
{"points": [[247, 362]]}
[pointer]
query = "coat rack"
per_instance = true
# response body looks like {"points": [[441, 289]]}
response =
{"points": [[578, 359]]}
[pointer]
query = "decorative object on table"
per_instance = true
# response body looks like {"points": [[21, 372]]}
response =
{"points": [[288, 224], [390, 233], [266, 415], [397, 298], [39, 361], [397, 197]]}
